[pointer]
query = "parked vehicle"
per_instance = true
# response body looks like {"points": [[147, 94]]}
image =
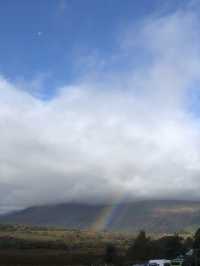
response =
{"points": [[177, 262], [159, 262]]}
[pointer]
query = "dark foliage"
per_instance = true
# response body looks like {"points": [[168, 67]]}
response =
{"points": [[168, 247], [141, 248], [110, 253]]}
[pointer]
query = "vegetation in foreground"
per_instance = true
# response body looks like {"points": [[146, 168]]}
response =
{"points": [[25, 245]]}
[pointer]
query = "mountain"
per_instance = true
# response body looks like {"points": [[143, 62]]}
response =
{"points": [[159, 216]]}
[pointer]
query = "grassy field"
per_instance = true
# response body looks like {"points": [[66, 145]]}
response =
{"points": [[25, 245], [71, 238], [37, 246]]}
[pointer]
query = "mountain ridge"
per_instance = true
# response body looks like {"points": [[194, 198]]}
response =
{"points": [[157, 216]]}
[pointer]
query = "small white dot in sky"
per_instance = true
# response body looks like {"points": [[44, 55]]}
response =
{"points": [[39, 33]]}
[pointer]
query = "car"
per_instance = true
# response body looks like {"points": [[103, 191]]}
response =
{"points": [[159, 262], [177, 262]]}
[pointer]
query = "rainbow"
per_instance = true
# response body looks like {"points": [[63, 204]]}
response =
{"points": [[108, 214]]}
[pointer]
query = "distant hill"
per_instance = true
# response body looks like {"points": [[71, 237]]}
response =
{"points": [[156, 216]]}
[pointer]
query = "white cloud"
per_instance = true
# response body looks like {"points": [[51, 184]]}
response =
{"points": [[126, 134]]}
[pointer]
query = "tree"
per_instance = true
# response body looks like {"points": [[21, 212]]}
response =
{"points": [[188, 244], [174, 247], [110, 253], [141, 249], [196, 247], [196, 244], [170, 246]]}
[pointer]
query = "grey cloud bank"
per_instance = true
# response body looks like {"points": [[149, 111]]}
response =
{"points": [[132, 135]]}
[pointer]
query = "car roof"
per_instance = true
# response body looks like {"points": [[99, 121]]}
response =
{"points": [[159, 260]]}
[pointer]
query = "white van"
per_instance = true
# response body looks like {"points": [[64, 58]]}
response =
{"points": [[159, 263]]}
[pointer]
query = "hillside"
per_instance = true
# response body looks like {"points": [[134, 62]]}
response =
{"points": [[156, 216]]}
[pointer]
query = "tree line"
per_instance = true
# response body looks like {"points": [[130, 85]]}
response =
{"points": [[144, 248]]}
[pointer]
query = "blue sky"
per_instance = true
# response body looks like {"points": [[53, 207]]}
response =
{"points": [[46, 39]]}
